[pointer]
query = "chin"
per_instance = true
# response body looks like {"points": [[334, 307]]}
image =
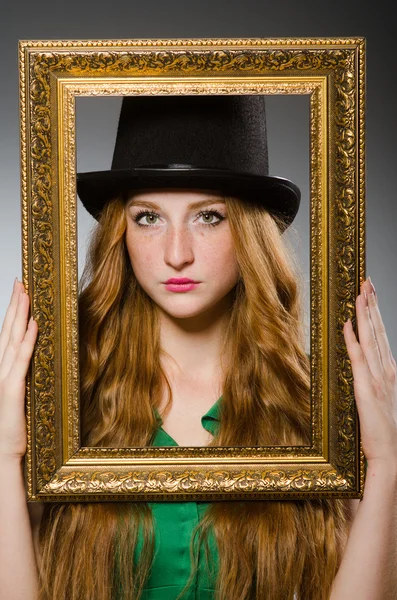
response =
{"points": [[189, 305], [185, 312], [187, 308]]}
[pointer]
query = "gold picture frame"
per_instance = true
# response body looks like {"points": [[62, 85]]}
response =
{"points": [[52, 74]]}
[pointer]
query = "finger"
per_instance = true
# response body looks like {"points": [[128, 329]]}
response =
{"points": [[14, 386], [380, 333], [361, 373], [9, 317], [17, 334], [21, 363], [393, 362], [367, 338]]}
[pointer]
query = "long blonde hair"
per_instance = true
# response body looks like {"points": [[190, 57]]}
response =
{"points": [[283, 547]]}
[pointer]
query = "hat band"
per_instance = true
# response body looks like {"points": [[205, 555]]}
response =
{"points": [[169, 166]]}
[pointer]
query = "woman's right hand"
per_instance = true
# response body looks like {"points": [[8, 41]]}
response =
{"points": [[17, 340]]}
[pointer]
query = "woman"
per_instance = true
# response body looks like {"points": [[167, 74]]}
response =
{"points": [[194, 340]]}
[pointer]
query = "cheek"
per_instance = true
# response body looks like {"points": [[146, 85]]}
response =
{"points": [[141, 255], [221, 258]]}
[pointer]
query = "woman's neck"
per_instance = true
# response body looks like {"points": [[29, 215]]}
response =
{"points": [[193, 346]]}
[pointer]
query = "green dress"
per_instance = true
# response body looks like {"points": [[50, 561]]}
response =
{"points": [[174, 523]]}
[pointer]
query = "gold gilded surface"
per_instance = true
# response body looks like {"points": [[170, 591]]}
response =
{"points": [[361, 199], [216, 482], [52, 74], [28, 466]]}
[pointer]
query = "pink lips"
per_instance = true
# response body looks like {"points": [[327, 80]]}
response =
{"points": [[182, 284], [180, 280]]}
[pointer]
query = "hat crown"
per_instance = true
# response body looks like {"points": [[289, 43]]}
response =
{"points": [[205, 131], [209, 142]]}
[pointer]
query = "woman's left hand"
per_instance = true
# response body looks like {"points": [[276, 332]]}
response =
{"points": [[375, 380]]}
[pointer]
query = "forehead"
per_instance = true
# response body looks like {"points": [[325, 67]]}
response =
{"points": [[177, 196]]}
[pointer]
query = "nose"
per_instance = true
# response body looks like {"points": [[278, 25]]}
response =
{"points": [[178, 251]]}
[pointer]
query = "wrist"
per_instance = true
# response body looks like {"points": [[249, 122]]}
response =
{"points": [[383, 466], [11, 461], [381, 475]]}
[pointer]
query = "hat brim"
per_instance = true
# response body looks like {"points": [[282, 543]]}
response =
{"points": [[278, 194]]}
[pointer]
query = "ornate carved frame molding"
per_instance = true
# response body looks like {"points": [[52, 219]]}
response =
{"points": [[52, 75]]}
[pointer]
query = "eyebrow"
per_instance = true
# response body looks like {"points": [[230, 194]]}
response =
{"points": [[192, 205]]}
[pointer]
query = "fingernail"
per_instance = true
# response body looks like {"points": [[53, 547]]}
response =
{"points": [[365, 298], [372, 285]]}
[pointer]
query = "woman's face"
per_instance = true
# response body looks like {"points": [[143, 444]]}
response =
{"points": [[177, 234]]}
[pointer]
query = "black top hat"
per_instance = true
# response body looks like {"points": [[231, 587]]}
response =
{"points": [[213, 142]]}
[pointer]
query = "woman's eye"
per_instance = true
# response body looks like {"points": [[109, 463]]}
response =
{"points": [[145, 213], [210, 214], [207, 215]]}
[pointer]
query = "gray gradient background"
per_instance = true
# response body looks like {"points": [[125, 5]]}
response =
{"points": [[178, 19]]}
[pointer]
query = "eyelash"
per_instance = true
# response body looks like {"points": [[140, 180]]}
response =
{"points": [[203, 212]]}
